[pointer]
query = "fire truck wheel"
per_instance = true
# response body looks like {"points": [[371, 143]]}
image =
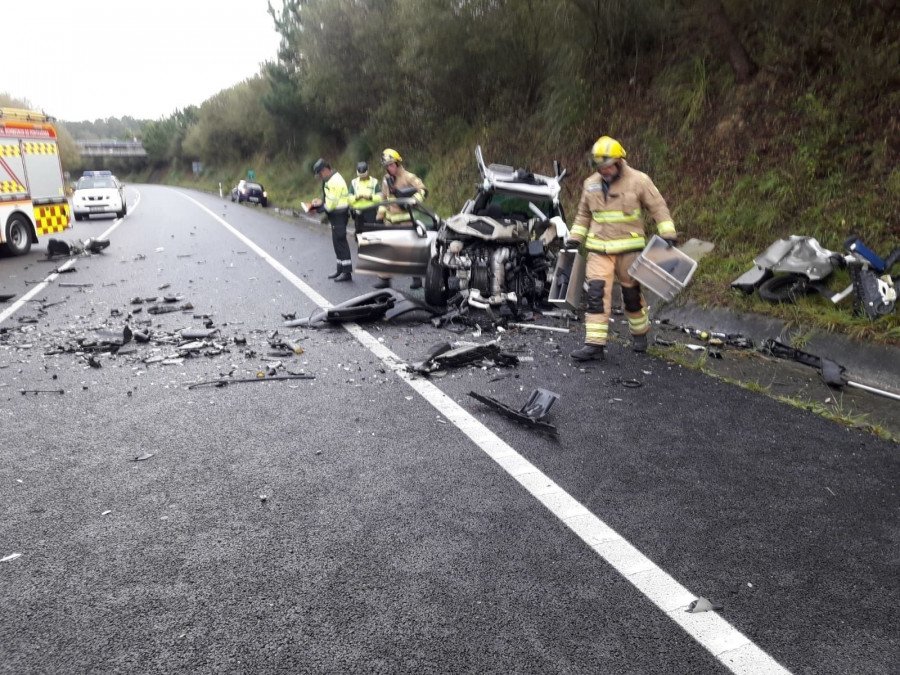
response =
{"points": [[18, 235]]}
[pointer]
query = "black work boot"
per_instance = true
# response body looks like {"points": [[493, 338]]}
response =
{"points": [[337, 272], [416, 283], [345, 274], [383, 283], [639, 342], [589, 352]]}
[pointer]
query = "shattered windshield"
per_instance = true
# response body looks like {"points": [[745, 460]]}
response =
{"points": [[514, 206]]}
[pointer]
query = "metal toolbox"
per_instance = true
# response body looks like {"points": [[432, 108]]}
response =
{"points": [[662, 268], [568, 280]]}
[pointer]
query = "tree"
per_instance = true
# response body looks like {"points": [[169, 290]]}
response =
{"points": [[726, 37]]}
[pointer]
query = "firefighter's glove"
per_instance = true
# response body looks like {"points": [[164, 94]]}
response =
{"points": [[571, 242], [671, 241]]}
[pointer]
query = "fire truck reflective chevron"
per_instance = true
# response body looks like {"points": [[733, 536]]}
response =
{"points": [[32, 187], [51, 219]]}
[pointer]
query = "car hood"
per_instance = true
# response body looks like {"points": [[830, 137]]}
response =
{"points": [[97, 193], [482, 227]]}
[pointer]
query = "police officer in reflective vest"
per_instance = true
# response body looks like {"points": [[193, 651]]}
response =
{"points": [[609, 223], [397, 177], [365, 193], [335, 203]]}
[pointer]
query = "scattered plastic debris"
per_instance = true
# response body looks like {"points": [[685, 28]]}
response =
{"points": [[380, 305], [443, 355], [703, 605], [531, 413]]}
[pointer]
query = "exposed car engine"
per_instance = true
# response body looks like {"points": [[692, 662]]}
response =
{"points": [[499, 253]]}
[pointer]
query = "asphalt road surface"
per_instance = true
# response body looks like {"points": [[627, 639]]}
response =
{"points": [[368, 520]]}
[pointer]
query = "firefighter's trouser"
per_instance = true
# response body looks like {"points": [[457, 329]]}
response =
{"points": [[338, 220], [602, 269]]}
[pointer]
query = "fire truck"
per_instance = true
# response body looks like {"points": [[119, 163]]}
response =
{"points": [[32, 186]]}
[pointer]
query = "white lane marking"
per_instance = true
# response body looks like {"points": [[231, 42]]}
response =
{"points": [[734, 650], [18, 304]]}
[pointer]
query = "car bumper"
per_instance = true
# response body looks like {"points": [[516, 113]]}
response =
{"points": [[90, 209]]}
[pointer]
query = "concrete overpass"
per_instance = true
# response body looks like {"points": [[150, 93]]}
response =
{"points": [[111, 149]]}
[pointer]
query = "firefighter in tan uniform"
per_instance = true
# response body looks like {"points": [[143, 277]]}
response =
{"points": [[397, 177], [610, 224]]}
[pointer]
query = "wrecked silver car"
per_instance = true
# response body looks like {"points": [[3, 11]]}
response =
{"points": [[500, 251]]}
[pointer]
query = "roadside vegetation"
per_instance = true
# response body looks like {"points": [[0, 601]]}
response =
{"points": [[757, 119]]}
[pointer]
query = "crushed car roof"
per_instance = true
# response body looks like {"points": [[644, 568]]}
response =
{"points": [[506, 179]]}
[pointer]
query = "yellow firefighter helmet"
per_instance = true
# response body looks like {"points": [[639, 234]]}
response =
{"points": [[606, 151], [390, 156]]}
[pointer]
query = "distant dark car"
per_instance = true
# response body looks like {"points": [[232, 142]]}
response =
{"points": [[248, 191]]}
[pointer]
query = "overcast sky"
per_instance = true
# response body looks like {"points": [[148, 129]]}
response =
{"points": [[79, 60]]}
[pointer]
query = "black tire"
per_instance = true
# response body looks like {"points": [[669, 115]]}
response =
{"points": [[435, 284], [784, 288], [18, 235], [78, 216]]}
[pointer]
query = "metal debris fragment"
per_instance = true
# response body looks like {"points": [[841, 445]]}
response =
{"points": [[530, 414], [222, 382]]}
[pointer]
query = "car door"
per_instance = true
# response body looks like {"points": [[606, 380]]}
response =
{"points": [[401, 249]]}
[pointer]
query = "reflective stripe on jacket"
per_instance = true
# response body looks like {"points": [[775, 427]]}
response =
{"points": [[335, 196], [364, 192], [392, 212], [614, 223]]}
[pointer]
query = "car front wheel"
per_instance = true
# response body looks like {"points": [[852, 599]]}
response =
{"points": [[435, 284]]}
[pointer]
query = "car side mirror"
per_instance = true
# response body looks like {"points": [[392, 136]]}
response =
{"points": [[420, 229]]}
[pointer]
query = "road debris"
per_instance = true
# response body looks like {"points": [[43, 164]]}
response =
{"points": [[531, 413], [831, 371], [536, 326], [703, 605], [224, 381], [380, 305], [444, 355], [142, 458]]}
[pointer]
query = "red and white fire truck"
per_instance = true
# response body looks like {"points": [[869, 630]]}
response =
{"points": [[32, 186]]}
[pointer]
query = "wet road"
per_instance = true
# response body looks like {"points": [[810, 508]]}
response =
{"points": [[370, 521]]}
